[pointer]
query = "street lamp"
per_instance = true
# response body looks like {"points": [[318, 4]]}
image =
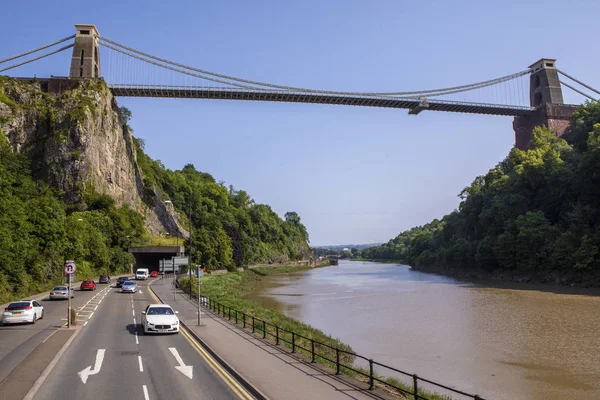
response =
{"points": [[190, 253]]}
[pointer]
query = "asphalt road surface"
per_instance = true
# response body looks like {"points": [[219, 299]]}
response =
{"points": [[111, 358], [18, 341]]}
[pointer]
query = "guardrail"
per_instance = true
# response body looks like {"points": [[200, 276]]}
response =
{"points": [[317, 351]]}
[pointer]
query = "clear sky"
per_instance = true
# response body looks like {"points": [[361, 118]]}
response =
{"points": [[354, 175]]}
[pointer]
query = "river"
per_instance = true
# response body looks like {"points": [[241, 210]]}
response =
{"points": [[501, 342]]}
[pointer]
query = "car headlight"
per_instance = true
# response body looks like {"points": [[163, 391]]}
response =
{"points": [[149, 323], [176, 322]]}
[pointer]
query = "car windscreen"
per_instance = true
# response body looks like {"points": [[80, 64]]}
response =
{"points": [[160, 311], [87, 282], [17, 306], [129, 283]]}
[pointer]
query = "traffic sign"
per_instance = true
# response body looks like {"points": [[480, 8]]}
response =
{"points": [[70, 267]]}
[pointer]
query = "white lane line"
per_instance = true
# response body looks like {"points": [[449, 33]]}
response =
{"points": [[146, 397], [85, 323], [132, 304], [91, 315], [136, 338], [30, 395], [140, 362], [134, 321], [95, 308], [133, 312]]}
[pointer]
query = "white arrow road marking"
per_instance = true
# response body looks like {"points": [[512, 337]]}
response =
{"points": [[89, 371], [187, 370]]}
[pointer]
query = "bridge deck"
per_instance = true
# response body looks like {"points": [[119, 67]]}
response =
{"points": [[415, 105]]}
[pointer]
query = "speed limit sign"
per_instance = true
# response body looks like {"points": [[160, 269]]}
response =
{"points": [[70, 267]]}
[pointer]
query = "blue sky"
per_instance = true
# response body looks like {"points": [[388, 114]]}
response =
{"points": [[355, 175]]}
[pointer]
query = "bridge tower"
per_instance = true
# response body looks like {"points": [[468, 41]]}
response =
{"points": [[545, 94], [85, 62]]}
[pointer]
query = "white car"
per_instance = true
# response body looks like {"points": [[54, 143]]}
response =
{"points": [[160, 318], [23, 311]]}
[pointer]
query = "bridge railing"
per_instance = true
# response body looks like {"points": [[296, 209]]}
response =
{"points": [[339, 359]]}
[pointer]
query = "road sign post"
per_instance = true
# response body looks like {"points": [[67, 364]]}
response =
{"points": [[70, 269]]}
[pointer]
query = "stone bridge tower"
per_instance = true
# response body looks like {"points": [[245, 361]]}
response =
{"points": [[545, 94], [85, 62]]}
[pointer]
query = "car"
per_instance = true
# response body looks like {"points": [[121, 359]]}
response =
{"points": [[23, 311], [154, 274], [60, 292], [160, 318], [121, 280], [104, 279], [129, 287], [87, 285]]}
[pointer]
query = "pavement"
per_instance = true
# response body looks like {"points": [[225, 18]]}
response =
{"points": [[111, 358], [271, 370]]}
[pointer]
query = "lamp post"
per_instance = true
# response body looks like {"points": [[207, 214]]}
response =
{"points": [[190, 252]]}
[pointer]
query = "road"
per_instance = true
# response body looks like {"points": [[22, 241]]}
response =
{"points": [[112, 359], [19, 341]]}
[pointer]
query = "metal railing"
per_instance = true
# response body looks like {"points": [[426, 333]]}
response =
{"points": [[340, 359]]}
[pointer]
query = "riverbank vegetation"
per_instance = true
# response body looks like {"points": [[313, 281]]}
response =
{"points": [[537, 214], [230, 289], [230, 229]]}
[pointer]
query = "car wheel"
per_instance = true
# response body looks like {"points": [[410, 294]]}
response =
{"points": [[42, 316], [34, 318]]}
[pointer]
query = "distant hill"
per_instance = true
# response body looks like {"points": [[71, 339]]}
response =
{"points": [[340, 247]]}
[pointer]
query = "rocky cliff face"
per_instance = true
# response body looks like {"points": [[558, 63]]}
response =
{"points": [[76, 139]]}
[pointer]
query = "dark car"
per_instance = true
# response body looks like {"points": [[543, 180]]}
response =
{"points": [[121, 280], [104, 279]]}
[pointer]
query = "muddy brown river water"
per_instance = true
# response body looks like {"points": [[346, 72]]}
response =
{"points": [[501, 341]]}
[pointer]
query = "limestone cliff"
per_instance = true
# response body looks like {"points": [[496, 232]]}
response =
{"points": [[74, 135]]}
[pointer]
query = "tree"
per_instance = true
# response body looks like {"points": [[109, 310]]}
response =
{"points": [[125, 115], [536, 211]]}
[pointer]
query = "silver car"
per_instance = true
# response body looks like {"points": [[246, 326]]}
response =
{"points": [[129, 287], [60, 292], [22, 311]]}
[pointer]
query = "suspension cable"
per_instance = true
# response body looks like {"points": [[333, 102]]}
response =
{"points": [[37, 58], [432, 92], [578, 91], [176, 69], [38, 49], [573, 79], [245, 86]]}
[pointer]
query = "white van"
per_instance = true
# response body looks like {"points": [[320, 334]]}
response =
{"points": [[142, 274]]}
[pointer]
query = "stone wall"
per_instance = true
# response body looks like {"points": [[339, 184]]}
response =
{"points": [[557, 117]]}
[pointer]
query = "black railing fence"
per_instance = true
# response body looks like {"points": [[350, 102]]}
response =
{"points": [[411, 385]]}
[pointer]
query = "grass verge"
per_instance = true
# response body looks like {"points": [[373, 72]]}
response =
{"points": [[229, 289]]}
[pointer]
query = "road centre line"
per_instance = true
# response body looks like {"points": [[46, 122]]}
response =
{"points": [[225, 376], [133, 312], [228, 379], [146, 397], [136, 338], [140, 362]]}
